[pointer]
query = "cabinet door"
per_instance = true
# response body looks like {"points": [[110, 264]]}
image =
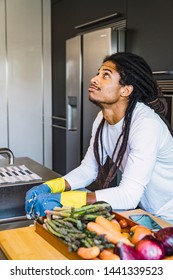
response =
{"points": [[3, 79], [59, 151], [25, 79], [24, 86]]}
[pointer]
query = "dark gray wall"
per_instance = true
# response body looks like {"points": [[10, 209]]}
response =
{"points": [[149, 25], [149, 34]]}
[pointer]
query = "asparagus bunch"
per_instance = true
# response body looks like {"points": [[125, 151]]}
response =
{"points": [[69, 224], [85, 213]]}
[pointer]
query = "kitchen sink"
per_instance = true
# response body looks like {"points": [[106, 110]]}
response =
{"points": [[16, 222], [12, 195]]}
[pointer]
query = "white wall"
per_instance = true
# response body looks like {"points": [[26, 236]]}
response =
{"points": [[25, 79]]}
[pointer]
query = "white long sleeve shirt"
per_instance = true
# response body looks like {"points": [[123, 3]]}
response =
{"points": [[147, 166]]}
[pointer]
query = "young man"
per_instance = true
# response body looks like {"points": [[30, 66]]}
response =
{"points": [[132, 131]]}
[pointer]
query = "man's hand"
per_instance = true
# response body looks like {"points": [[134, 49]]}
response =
{"points": [[48, 201], [52, 186], [45, 201]]}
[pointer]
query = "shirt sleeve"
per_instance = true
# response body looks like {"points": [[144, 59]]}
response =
{"points": [[137, 168]]}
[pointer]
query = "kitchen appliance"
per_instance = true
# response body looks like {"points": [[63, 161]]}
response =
{"points": [[84, 55]]}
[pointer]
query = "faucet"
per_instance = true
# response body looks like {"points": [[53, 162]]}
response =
{"points": [[9, 153]]}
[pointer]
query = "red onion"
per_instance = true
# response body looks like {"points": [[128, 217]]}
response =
{"points": [[126, 252], [150, 248], [165, 235]]}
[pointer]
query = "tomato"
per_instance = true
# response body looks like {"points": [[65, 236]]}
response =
{"points": [[137, 232], [123, 223]]}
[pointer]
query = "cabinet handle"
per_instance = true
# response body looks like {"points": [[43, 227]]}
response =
{"points": [[72, 113], [162, 72], [59, 126]]}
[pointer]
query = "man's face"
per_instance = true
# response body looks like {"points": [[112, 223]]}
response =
{"points": [[105, 89]]}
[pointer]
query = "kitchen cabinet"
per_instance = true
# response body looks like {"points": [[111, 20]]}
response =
{"points": [[25, 79]]}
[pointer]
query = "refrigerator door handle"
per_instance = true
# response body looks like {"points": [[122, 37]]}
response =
{"points": [[72, 113]]}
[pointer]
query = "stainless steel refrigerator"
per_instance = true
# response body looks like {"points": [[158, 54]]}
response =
{"points": [[84, 55]]}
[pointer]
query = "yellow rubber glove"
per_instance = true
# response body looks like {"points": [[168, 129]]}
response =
{"points": [[73, 198], [56, 185]]}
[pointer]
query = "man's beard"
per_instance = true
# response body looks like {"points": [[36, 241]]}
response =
{"points": [[96, 102]]}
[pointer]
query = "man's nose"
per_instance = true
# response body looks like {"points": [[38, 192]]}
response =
{"points": [[94, 80]]}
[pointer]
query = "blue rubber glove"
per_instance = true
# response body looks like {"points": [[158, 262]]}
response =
{"points": [[48, 201], [45, 201], [31, 196], [52, 186]]}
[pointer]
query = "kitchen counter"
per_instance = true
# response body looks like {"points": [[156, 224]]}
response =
{"points": [[12, 196], [36, 167], [17, 233], [25, 244]]}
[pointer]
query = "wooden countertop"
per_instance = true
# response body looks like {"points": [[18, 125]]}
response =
{"points": [[25, 244]]}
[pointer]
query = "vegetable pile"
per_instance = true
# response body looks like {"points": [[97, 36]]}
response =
{"points": [[70, 225], [93, 232]]}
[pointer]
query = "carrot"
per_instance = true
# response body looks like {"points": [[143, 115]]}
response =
{"points": [[110, 250], [107, 255], [168, 258], [115, 224], [112, 236], [112, 226], [88, 253]]}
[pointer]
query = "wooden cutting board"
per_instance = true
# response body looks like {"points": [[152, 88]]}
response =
{"points": [[25, 244]]}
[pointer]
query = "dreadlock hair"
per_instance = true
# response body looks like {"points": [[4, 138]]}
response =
{"points": [[133, 70]]}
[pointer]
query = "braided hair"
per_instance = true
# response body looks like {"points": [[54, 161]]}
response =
{"points": [[133, 70]]}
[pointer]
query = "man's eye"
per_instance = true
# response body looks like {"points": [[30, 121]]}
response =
{"points": [[106, 75]]}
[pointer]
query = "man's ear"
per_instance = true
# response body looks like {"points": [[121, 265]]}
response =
{"points": [[127, 90]]}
